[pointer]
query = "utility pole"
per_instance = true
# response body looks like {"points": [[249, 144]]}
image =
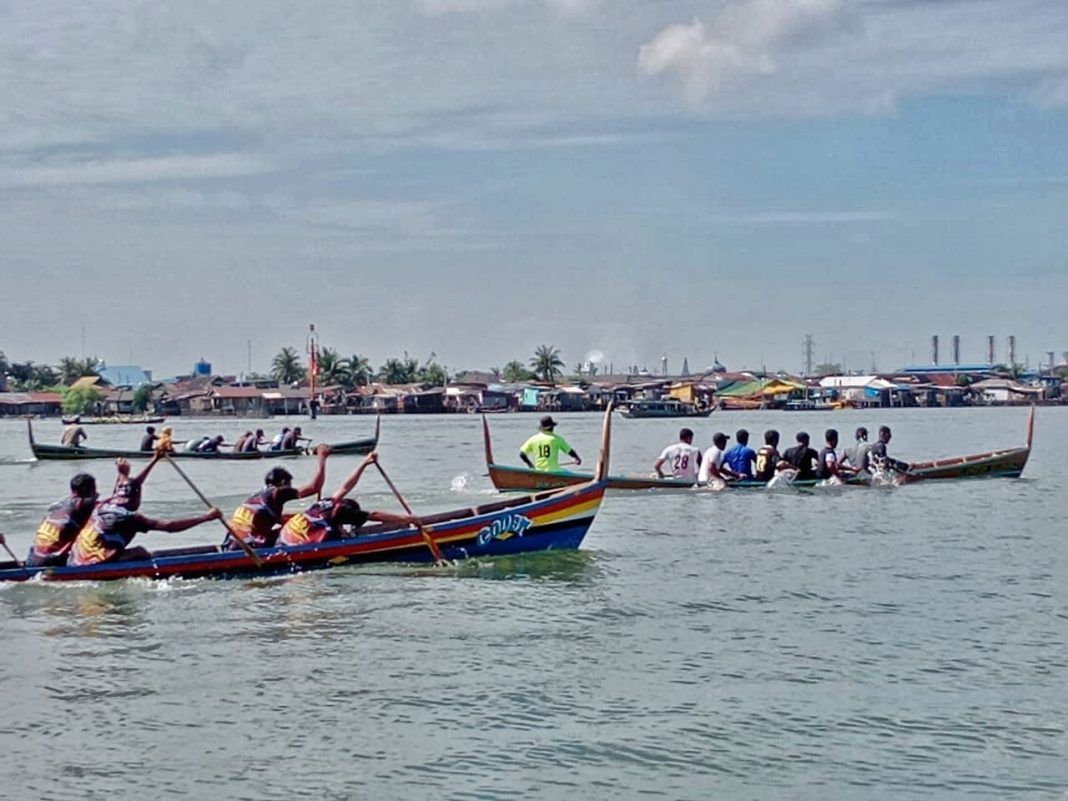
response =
{"points": [[809, 347]]}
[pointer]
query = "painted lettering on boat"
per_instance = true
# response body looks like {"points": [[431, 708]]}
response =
{"points": [[504, 528]]}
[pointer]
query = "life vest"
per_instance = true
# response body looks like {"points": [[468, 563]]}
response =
{"points": [[254, 520], [109, 530], [311, 525], [59, 529]]}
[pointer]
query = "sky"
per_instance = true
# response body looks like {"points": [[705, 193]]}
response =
{"points": [[474, 178]]}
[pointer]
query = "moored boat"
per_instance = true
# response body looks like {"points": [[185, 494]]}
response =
{"points": [[664, 407], [540, 522], [65, 452]]}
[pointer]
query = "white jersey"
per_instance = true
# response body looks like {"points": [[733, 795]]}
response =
{"points": [[681, 461], [713, 456]]}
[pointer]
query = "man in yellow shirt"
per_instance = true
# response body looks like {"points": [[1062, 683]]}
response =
{"points": [[545, 448]]}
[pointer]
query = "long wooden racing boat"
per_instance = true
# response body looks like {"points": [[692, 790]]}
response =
{"points": [[1004, 463], [541, 522], [115, 420], [65, 452]]}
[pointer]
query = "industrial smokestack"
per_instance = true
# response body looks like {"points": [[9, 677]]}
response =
{"points": [[956, 349], [934, 349], [1012, 350], [990, 350]]}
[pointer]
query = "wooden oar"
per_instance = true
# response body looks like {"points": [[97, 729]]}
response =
{"points": [[433, 546], [15, 559], [251, 554]]}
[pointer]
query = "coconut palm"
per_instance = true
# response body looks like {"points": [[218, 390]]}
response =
{"points": [[333, 369], [360, 370], [547, 364], [71, 368], [286, 367], [515, 372], [397, 371]]}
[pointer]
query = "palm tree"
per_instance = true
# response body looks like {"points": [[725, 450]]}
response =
{"points": [[515, 372], [71, 368], [286, 367], [547, 363], [360, 370], [396, 371], [433, 375], [333, 369]]}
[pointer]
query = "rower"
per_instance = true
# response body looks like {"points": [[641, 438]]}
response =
{"points": [[254, 521], [57, 532], [545, 447], [127, 491], [682, 458], [879, 456], [326, 520], [111, 527]]}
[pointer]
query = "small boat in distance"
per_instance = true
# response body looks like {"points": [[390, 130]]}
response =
{"points": [[65, 452], [662, 407], [118, 419]]}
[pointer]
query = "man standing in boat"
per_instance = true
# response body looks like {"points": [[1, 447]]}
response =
{"points": [[73, 434], [324, 520], [255, 520], [545, 447], [682, 458], [57, 532]]}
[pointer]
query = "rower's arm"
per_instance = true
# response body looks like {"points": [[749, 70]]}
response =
{"points": [[351, 481], [316, 484]]}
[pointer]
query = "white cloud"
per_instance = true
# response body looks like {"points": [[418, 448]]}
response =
{"points": [[125, 171], [747, 39]]}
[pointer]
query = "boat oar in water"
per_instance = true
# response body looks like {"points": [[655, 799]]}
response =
{"points": [[15, 559], [251, 554], [433, 546]]}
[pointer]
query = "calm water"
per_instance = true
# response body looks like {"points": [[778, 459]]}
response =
{"points": [[899, 643]]}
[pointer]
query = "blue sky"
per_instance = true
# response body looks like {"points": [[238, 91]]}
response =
{"points": [[476, 177]]}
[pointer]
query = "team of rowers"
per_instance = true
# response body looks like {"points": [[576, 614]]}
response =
{"points": [[81, 529], [719, 464], [287, 439]]}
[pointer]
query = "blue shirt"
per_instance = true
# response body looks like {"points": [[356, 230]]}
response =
{"points": [[740, 459]]}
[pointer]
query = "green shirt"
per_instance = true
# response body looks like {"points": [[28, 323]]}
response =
{"points": [[544, 449]]}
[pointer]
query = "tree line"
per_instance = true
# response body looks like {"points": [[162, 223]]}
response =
{"points": [[286, 368]]}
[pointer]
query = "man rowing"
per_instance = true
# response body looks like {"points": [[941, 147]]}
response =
{"points": [[256, 520], [880, 458], [545, 448], [127, 491], [326, 520], [111, 528], [73, 434], [856, 455], [767, 457], [713, 471], [683, 458], [56, 534], [828, 467], [741, 457], [802, 458]]}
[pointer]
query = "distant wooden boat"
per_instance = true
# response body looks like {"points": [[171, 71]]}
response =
{"points": [[65, 452], [120, 419], [668, 407], [1005, 463]]}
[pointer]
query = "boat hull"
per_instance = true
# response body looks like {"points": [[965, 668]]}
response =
{"points": [[548, 521], [47, 452]]}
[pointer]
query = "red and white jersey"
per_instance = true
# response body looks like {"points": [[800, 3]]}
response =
{"points": [[681, 461]]}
